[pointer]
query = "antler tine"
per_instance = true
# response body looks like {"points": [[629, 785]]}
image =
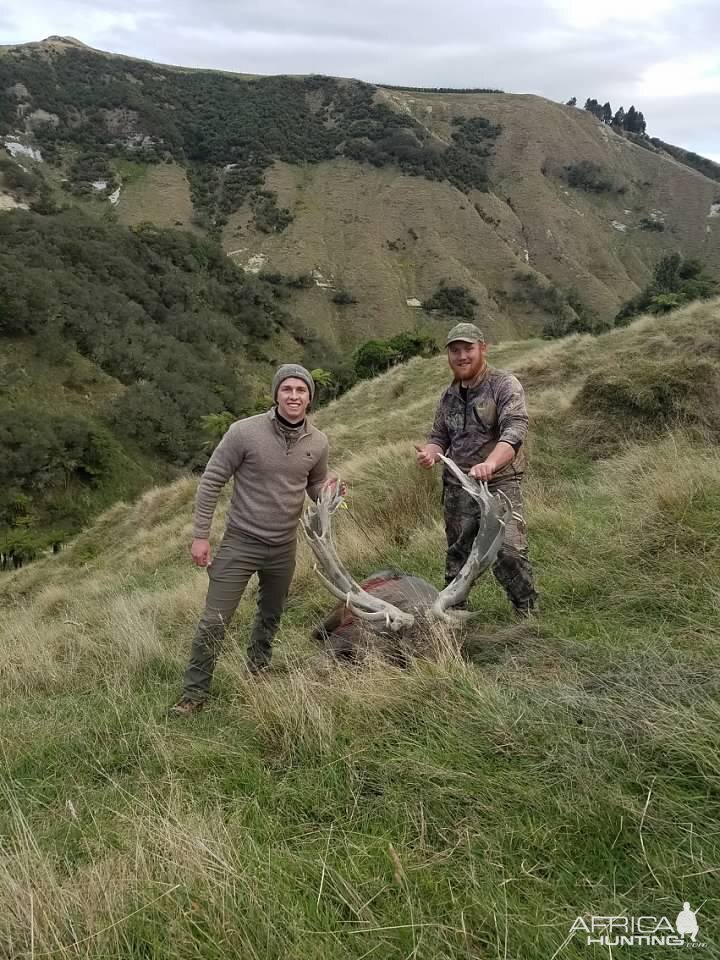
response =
{"points": [[495, 511], [317, 527]]}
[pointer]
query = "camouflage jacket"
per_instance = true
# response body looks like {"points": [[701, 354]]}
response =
{"points": [[468, 430]]}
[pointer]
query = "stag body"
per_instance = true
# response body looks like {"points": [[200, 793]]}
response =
{"points": [[389, 606], [345, 634]]}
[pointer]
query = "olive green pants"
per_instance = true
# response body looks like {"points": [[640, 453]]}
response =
{"points": [[238, 557]]}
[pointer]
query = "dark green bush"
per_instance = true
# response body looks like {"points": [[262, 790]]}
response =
{"points": [[343, 297], [590, 176], [375, 356], [676, 281], [162, 311], [567, 312], [454, 301], [652, 225]]}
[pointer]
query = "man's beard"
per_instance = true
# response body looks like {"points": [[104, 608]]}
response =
{"points": [[470, 372]]}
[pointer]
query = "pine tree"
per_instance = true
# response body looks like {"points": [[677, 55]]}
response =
{"points": [[572, 102], [631, 120], [607, 113], [641, 125], [619, 118]]}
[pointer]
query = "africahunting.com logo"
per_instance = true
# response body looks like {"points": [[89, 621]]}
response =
{"points": [[644, 931]]}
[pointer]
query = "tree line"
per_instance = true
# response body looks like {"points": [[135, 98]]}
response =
{"points": [[631, 120]]}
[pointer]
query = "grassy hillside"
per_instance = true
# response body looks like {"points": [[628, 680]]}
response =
{"points": [[383, 192], [471, 806]]}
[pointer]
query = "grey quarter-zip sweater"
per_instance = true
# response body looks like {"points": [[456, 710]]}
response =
{"points": [[272, 469]]}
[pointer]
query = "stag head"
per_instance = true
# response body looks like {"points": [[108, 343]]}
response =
{"points": [[419, 598]]}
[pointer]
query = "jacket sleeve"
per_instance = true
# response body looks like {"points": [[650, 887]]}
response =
{"points": [[512, 412], [318, 475], [226, 459], [439, 433]]}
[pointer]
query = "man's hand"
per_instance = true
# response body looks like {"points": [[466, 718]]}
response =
{"points": [[482, 471], [201, 553], [427, 456], [332, 481]]}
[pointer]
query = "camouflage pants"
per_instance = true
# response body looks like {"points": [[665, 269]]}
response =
{"points": [[512, 568]]}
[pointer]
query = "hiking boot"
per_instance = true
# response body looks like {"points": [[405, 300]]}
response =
{"points": [[526, 610], [257, 667], [186, 708]]}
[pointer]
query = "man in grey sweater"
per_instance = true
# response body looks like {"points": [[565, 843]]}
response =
{"points": [[275, 458]]}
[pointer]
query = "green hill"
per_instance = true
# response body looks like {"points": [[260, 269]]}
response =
{"points": [[378, 191], [470, 806], [114, 344]]}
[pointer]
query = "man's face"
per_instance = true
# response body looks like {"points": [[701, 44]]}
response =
{"points": [[293, 399], [466, 359]]}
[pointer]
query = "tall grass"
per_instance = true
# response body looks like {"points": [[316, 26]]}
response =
{"points": [[469, 806]]}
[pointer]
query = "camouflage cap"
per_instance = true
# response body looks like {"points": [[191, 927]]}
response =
{"points": [[467, 332]]}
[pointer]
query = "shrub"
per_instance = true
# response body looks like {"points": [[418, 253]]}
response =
{"points": [[454, 301], [650, 224], [589, 176], [568, 313], [375, 356], [676, 281], [269, 218], [343, 297]]}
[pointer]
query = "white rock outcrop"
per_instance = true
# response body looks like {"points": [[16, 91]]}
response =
{"points": [[16, 149]]}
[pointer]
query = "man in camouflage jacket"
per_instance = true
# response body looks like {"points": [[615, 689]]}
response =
{"points": [[481, 423]]}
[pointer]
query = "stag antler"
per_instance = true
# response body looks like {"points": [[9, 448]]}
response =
{"points": [[318, 531], [495, 511]]}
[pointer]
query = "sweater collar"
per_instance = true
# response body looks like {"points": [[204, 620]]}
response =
{"points": [[301, 430]]}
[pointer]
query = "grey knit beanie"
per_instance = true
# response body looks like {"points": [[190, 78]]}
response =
{"points": [[292, 370]]}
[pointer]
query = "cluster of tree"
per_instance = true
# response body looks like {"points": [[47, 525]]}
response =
{"points": [[456, 301], [41, 451], [162, 311], [88, 169], [375, 356], [227, 130], [566, 311], [267, 215], [676, 281], [53, 467], [26, 186], [381, 137], [632, 121]]}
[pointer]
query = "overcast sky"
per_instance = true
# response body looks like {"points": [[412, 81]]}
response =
{"points": [[661, 55]]}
